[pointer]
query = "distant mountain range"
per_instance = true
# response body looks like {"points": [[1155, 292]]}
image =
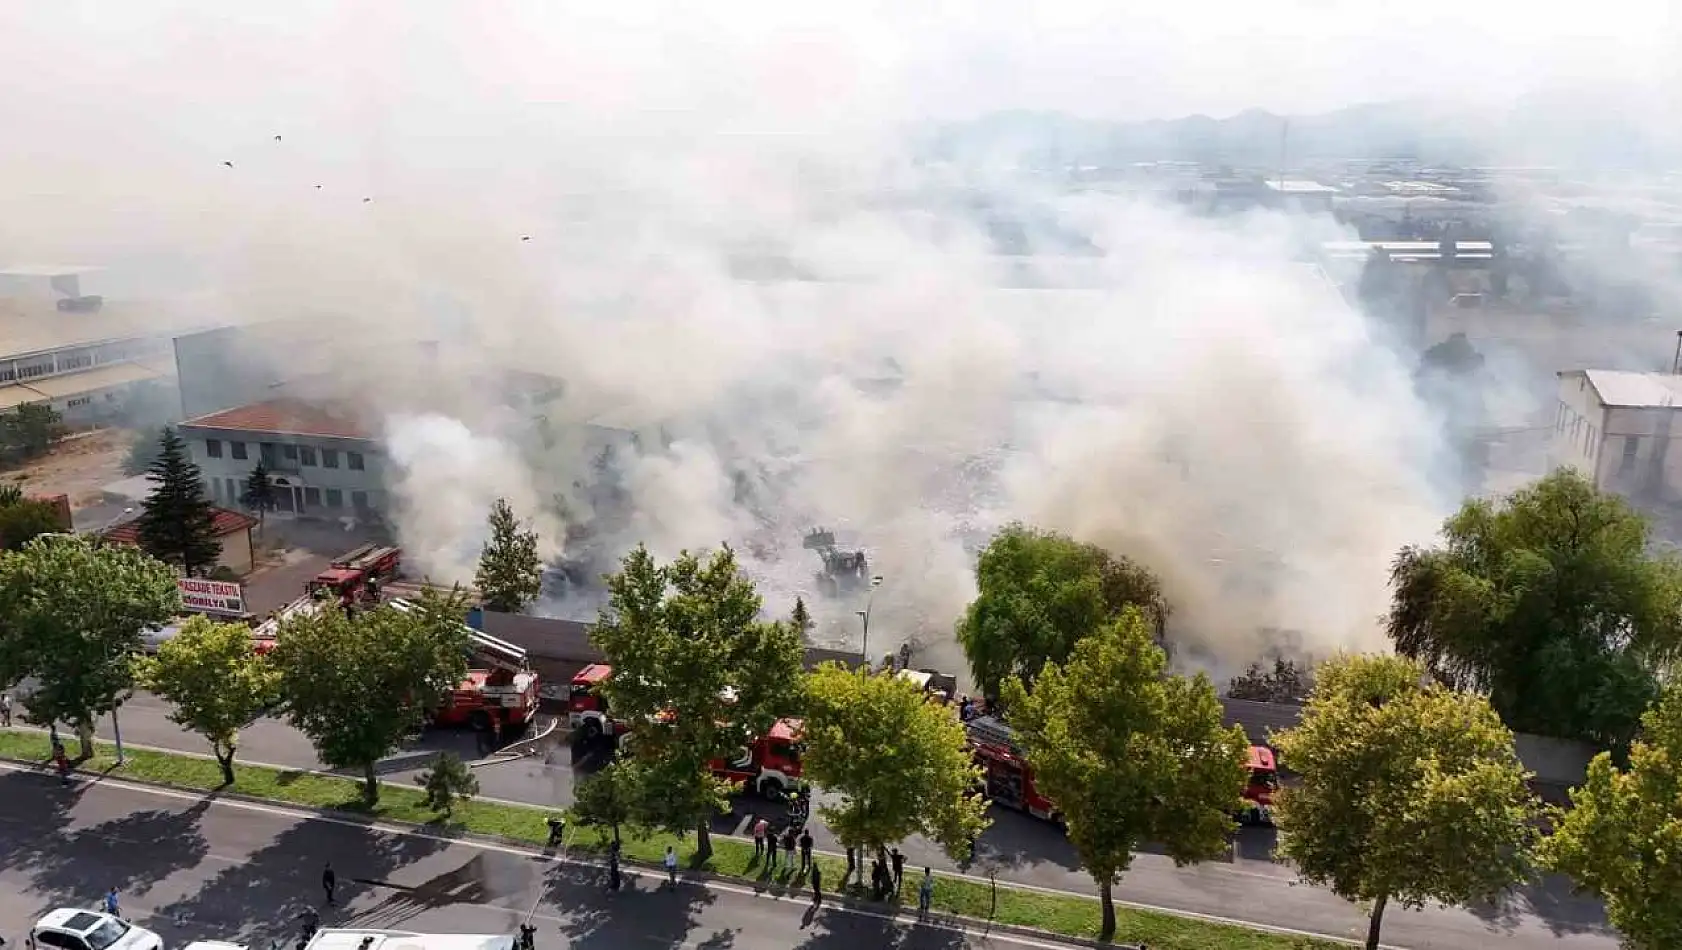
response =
{"points": [[1577, 130]]}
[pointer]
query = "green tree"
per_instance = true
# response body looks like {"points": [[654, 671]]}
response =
{"points": [[24, 519], [142, 452], [1551, 603], [510, 574], [28, 431], [73, 616], [177, 522], [801, 617], [359, 685], [447, 782], [900, 763], [1622, 836], [213, 676], [1130, 754], [1410, 792], [259, 493], [612, 798], [1039, 593], [698, 673]]}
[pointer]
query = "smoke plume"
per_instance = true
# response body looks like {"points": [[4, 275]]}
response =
{"points": [[759, 306]]}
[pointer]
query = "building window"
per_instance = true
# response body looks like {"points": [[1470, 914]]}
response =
{"points": [[354, 461], [213, 448], [267, 453], [215, 489], [335, 498], [8, 371], [306, 455], [35, 367], [289, 453], [233, 490], [77, 360], [359, 499], [312, 497], [329, 458], [238, 449], [1632, 444]]}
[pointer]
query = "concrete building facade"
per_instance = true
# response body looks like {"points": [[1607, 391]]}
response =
{"points": [[1620, 429], [323, 461]]}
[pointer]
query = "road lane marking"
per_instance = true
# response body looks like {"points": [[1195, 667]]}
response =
{"points": [[297, 814]]}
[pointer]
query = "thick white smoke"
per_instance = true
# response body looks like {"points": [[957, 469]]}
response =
{"points": [[713, 229]]}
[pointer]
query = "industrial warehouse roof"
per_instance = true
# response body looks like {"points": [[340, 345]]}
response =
{"points": [[227, 522], [1635, 390], [110, 375], [286, 417], [34, 324]]}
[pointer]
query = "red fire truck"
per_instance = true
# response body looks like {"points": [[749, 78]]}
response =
{"points": [[771, 764], [587, 714], [500, 684], [1008, 779], [357, 574]]}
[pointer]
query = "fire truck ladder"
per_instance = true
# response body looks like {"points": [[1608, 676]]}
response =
{"points": [[992, 731], [364, 557], [497, 652]]}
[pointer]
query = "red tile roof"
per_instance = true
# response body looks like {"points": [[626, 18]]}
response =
{"points": [[287, 417], [227, 522]]}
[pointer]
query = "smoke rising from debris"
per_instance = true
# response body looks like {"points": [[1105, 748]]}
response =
{"points": [[719, 237]]}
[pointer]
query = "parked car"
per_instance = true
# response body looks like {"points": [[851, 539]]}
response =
{"points": [[71, 928]]}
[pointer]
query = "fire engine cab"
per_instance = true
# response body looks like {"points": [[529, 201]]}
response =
{"points": [[771, 764], [587, 714], [500, 686], [1260, 788]]}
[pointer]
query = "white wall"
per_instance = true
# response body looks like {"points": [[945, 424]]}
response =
{"points": [[1579, 436], [315, 489]]}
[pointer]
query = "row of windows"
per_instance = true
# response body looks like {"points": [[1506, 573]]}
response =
{"points": [[273, 452], [228, 491], [69, 361]]}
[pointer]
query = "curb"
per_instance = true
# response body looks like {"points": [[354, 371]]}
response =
{"points": [[588, 858]]}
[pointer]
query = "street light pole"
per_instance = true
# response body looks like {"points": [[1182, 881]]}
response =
{"points": [[864, 615]]}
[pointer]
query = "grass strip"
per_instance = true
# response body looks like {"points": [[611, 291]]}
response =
{"points": [[1069, 915]]}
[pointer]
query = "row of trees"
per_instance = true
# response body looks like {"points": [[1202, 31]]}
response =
{"points": [[1548, 611], [75, 613]]}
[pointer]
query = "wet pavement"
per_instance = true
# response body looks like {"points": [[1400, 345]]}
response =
{"points": [[195, 868]]}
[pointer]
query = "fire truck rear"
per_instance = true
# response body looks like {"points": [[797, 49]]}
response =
{"points": [[770, 765], [500, 687]]}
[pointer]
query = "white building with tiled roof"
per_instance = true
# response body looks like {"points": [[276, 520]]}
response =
{"points": [[1621, 429], [324, 460]]}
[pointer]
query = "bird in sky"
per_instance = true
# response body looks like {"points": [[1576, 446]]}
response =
{"points": [[229, 164]]}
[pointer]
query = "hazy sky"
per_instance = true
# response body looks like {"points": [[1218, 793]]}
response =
{"points": [[214, 65]]}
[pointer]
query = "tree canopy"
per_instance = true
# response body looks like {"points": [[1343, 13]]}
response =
{"points": [[510, 574], [1551, 602], [1286, 682], [71, 615], [211, 673], [697, 672], [177, 521], [28, 431], [1622, 837], [24, 519], [259, 492], [1040, 593], [358, 685], [1409, 792], [900, 763], [1130, 755]]}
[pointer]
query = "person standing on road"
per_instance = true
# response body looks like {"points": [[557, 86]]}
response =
{"points": [[899, 870], [61, 761], [771, 853], [805, 849], [111, 904], [925, 893], [817, 885], [760, 829], [6, 710], [789, 842], [330, 884], [671, 865]]}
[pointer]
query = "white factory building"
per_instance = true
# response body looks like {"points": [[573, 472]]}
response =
{"points": [[1622, 430], [85, 356]]}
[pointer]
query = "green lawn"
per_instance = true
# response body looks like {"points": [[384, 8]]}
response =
{"points": [[1075, 916]]}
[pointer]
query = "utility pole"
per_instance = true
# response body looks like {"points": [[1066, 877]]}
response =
{"points": [[864, 615]]}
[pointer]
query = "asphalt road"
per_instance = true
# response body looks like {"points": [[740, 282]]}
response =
{"points": [[1248, 887], [192, 867]]}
